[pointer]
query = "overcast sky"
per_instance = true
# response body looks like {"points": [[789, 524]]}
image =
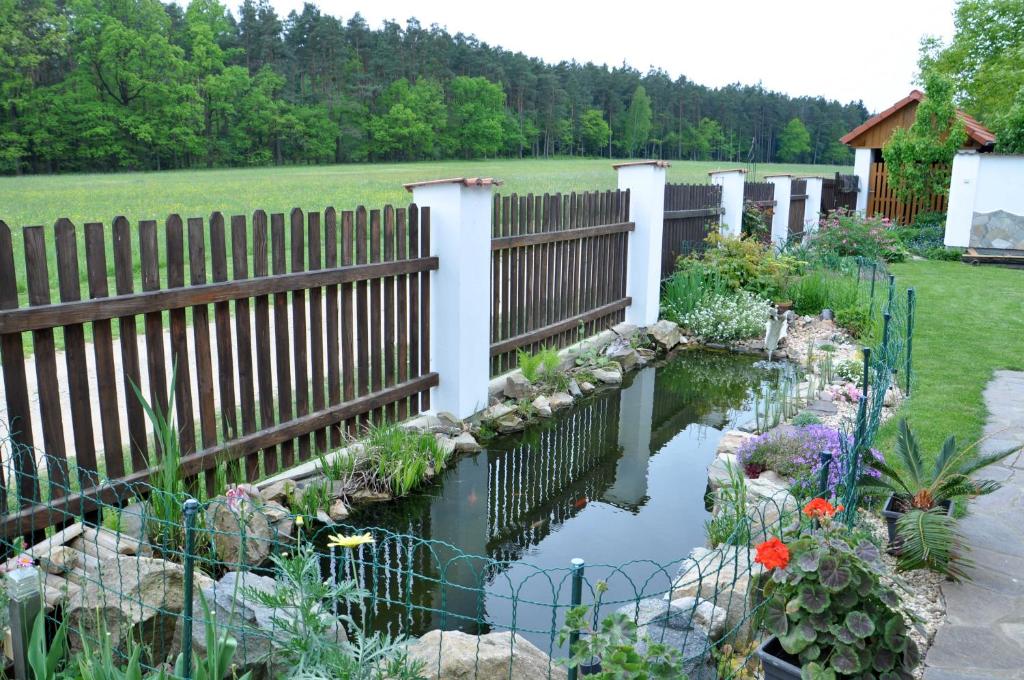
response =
{"points": [[841, 50]]}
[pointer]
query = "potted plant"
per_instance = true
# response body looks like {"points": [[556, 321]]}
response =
{"points": [[828, 612], [918, 510]]}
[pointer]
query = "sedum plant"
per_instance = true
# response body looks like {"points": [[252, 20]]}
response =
{"points": [[828, 608]]}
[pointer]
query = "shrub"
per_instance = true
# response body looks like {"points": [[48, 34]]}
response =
{"points": [[819, 289], [757, 222], [745, 264], [684, 290], [856, 319], [851, 371], [727, 317], [826, 605], [845, 233], [925, 237], [806, 418]]}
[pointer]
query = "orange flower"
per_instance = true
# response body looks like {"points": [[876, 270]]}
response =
{"points": [[818, 508], [772, 553]]}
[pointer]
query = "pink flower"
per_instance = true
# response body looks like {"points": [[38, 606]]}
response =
{"points": [[235, 496], [24, 560]]}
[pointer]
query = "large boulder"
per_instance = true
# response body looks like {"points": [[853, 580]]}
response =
{"points": [[732, 441], [665, 333], [497, 412], [517, 386], [453, 655], [136, 598], [242, 534], [609, 375], [674, 626], [541, 406], [706, 615], [723, 577], [622, 353], [560, 400]]}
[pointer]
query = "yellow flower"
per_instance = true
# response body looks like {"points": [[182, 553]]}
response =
{"points": [[339, 541], [299, 521]]}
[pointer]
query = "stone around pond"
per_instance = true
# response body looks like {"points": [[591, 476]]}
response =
{"points": [[560, 400], [542, 406], [508, 423], [665, 333], [722, 576], [454, 655], [228, 525], [676, 628], [517, 386], [466, 443], [497, 412], [611, 375], [587, 387]]}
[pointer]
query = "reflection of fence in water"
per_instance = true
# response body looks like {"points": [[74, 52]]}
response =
{"points": [[536, 486]]}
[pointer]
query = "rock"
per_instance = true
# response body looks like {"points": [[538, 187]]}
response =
{"points": [[229, 524], [665, 333], [370, 496], [732, 440], [587, 387], [282, 523], [466, 443], [622, 353], [139, 598], [450, 421], [510, 422], [574, 388], [891, 397], [560, 400], [131, 522], [706, 615], [497, 412], [338, 511], [446, 443], [542, 406], [454, 655], [612, 375], [644, 355], [625, 330], [278, 491], [718, 471], [517, 386], [770, 505], [721, 576], [675, 627], [232, 608]]}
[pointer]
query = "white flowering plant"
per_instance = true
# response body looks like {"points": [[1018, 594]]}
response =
{"points": [[725, 317]]}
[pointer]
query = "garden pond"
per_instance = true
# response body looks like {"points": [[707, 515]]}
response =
{"points": [[618, 480]]}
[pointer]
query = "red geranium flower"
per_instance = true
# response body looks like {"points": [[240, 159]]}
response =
{"points": [[818, 508], [772, 553]]}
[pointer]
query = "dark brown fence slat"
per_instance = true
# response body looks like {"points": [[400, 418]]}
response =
{"points": [[282, 340], [331, 318], [79, 400], [50, 410], [179, 337], [201, 340], [225, 354], [414, 304], [402, 310], [19, 418], [316, 329], [264, 358], [124, 281], [299, 334], [156, 364], [103, 352], [243, 340], [376, 341], [388, 289], [362, 309], [348, 321]]}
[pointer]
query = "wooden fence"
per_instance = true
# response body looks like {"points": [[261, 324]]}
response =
{"points": [[797, 206], [833, 197], [558, 270], [762, 195], [692, 211], [319, 327], [882, 200]]}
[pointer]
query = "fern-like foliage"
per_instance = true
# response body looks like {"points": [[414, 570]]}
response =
{"points": [[930, 540]]}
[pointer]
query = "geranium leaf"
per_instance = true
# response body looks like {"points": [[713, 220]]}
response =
{"points": [[860, 624], [894, 635], [868, 551], [832, 575], [808, 561], [842, 633], [888, 598], [814, 671], [813, 598], [883, 660], [775, 619], [845, 660]]}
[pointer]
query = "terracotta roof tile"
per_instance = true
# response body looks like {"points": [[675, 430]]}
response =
{"points": [[975, 130]]}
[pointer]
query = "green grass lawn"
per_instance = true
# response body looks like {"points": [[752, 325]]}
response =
{"points": [[969, 323]]}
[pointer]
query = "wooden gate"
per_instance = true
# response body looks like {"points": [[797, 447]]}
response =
{"points": [[760, 196], [882, 200], [797, 206], [833, 195], [692, 211]]}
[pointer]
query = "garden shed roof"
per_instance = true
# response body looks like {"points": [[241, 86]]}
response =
{"points": [[876, 130]]}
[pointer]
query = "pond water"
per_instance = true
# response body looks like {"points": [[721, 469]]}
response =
{"points": [[619, 481]]}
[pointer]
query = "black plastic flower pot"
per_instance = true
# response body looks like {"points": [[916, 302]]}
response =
{"points": [[776, 663], [592, 668], [892, 511]]}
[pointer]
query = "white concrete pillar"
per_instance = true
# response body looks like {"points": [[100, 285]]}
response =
{"points": [[812, 208], [460, 303], [963, 185], [731, 182], [780, 216], [862, 168], [645, 181]]}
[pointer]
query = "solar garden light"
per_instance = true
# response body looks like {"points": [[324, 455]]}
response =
{"points": [[23, 588]]}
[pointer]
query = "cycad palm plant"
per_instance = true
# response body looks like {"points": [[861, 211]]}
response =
{"points": [[921, 493]]}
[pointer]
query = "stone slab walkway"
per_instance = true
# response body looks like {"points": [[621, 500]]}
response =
{"points": [[983, 637]]}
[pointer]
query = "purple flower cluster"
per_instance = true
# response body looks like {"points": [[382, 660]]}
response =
{"points": [[795, 454]]}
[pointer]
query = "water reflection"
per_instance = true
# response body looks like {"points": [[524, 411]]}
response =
{"points": [[620, 477]]}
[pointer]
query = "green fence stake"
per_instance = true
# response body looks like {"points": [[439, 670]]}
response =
{"points": [[871, 307], [575, 601], [24, 586], [911, 306], [826, 461], [191, 509], [892, 292], [887, 317], [866, 351]]}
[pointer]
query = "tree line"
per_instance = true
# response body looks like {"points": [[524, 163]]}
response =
{"points": [[102, 85]]}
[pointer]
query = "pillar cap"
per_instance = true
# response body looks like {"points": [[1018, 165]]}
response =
{"points": [[657, 164], [464, 181], [779, 175], [725, 170]]}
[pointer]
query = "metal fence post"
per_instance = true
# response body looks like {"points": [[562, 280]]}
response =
{"points": [[892, 292], [575, 601], [866, 351], [887, 318], [191, 508], [24, 590], [871, 307], [826, 461], [911, 306]]}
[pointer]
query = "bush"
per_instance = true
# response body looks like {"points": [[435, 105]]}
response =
{"points": [[819, 289], [757, 222], [683, 291], [846, 233], [925, 236], [725, 317], [745, 264], [856, 319]]}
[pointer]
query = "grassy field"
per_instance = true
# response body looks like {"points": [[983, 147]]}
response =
{"points": [[192, 193], [969, 323]]}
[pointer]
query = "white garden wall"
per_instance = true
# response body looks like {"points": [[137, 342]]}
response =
{"points": [[986, 202]]}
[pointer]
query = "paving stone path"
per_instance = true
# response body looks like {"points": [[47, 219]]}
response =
{"points": [[983, 637]]}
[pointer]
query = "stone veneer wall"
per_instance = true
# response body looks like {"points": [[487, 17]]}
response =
{"points": [[998, 229]]}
